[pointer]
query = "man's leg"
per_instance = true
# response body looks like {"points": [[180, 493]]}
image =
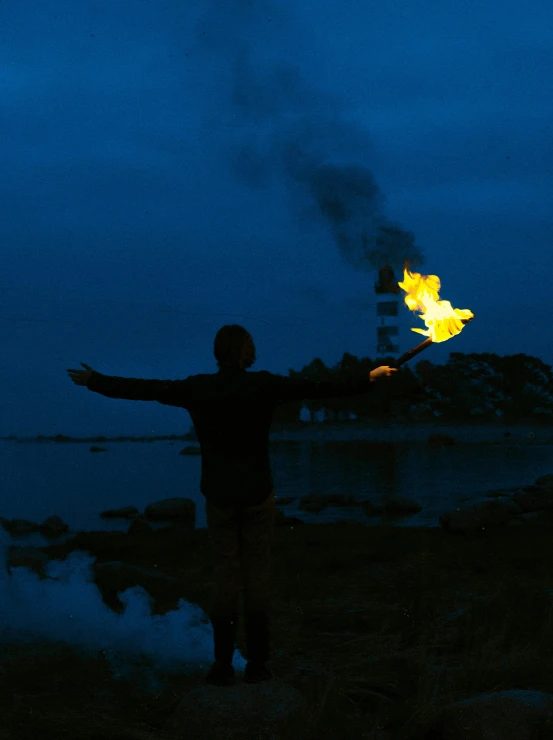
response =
{"points": [[257, 528], [223, 535]]}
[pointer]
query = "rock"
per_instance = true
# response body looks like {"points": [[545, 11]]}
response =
{"points": [[288, 708], [529, 504], [178, 510], [312, 504], [461, 520], [95, 448], [239, 712], [111, 577], [480, 513], [372, 509], [529, 516], [120, 576], [27, 557], [499, 715], [497, 511], [316, 501], [545, 480], [285, 500], [125, 512], [172, 509], [530, 489], [508, 511], [282, 520], [497, 507], [139, 527], [496, 492], [534, 500], [53, 526], [18, 527], [401, 505]]}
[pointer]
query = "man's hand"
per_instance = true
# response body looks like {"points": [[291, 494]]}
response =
{"points": [[382, 370], [80, 377]]}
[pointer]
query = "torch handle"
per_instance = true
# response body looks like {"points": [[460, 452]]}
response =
{"points": [[412, 352], [419, 348]]}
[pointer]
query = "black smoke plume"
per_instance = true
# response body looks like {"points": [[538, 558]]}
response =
{"points": [[284, 127]]}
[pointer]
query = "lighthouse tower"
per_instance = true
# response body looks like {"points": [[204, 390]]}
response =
{"points": [[389, 297]]}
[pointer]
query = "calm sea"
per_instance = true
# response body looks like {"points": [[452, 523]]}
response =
{"points": [[39, 480]]}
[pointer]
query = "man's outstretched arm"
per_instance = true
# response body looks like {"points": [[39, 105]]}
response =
{"points": [[168, 392], [80, 377]]}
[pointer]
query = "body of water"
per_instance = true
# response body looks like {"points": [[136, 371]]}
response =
{"points": [[39, 480]]}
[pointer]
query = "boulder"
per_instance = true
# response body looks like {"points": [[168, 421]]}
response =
{"points": [[124, 512], [530, 516], [19, 526], [545, 480], [53, 526], [317, 502], [498, 492], [534, 500], [281, 519], [119, 576], [508, 507], [499, 715], [461, 520], [480, 513], [139, 527], [289, 708], [372, 509], [180, 509], [285, 500], [401, 505], [27, 557], [502, 507], [238, 712]]}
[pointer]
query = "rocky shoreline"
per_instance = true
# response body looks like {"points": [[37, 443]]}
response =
{"points": [[498, 508]]}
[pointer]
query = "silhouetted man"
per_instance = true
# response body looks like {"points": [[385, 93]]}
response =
{"points": [[232, 411]]}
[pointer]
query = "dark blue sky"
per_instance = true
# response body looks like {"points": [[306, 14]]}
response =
{"points": [[167, 170]]}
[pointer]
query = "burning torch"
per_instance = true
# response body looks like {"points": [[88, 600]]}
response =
{"points": [[441, 319]]}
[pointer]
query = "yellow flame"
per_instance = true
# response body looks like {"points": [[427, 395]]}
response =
{"points": [[441, 319]]}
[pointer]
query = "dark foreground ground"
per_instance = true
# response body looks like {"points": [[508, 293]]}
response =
{"points": [[370, 602]]}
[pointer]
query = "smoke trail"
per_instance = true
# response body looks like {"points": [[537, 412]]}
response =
{"points": [[284, 127]]}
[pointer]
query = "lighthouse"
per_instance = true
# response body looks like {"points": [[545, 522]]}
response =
{"points": [[388, 317]]}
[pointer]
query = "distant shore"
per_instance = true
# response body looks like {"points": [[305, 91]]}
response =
{"points": [[374, 431], [417, 432]]}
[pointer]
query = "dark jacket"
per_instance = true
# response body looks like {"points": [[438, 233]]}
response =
{"points": [[232, 411]]}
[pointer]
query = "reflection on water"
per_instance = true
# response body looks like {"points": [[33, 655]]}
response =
{"points": [[70, 481], [435, 477]]}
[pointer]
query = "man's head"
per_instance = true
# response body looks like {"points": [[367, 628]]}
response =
{"points": [[234, 347]]}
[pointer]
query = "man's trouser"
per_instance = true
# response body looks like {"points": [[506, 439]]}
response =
{"points": [[241, 539]]}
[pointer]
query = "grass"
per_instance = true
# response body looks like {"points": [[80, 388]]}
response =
{"points": [[368, 602]]}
